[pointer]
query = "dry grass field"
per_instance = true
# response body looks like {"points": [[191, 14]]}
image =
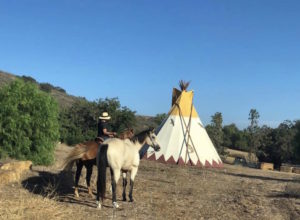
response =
{"points": [[160, 192]]}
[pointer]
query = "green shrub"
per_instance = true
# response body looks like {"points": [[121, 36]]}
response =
{"points": [[79, 123], [46, 87], [29, 125]]}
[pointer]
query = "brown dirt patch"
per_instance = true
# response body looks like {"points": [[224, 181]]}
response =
{"points": [[160, 192]]}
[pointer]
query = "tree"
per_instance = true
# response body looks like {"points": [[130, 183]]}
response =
{"points": [[28, 79], [46, 87], [215, 131], [158, 119], [253, 117], [79, 123], [230, 135], [266, 145], [253, 131], [29, 125], [296, 143], [283, 137], [121, 117]]}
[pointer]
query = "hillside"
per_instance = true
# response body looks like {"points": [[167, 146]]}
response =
{"points": [[66, 100], [6, 78]]}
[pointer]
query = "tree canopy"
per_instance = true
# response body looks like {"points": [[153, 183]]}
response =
{"points": [[29, 125], [79, 122], [277, 145]]}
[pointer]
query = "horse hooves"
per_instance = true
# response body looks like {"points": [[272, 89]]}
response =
{"points": [[115, 205], [124, 199], [131, 200], [76, 192], [91, 194], [90, 191], [98, 205]]}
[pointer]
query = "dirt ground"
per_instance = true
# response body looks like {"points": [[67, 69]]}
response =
{"points": [[160, 192]]}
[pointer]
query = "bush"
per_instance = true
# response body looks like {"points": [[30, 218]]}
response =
{"points": [[79, 123], [60, 89], [29, 125], [28, 79], [159, 118], [46, 87]]}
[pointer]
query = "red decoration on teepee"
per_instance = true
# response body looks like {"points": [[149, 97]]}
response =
{"points": [[219, 164], [215, 164], [171, 160], [190, 163], [161, 159], [152, 157], [199, 164], [180, 161], [207, 164], [145, 156]]}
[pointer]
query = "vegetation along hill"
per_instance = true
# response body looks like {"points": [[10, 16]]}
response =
{"points": [[71, 104]]}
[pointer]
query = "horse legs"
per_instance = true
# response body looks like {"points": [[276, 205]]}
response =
{"points": [[115, 175], [89, 171], [132, 176], [79, 165], [124, 185]]}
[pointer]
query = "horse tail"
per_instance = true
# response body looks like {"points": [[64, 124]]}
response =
{"points": [[75, 154], [101, 165]]}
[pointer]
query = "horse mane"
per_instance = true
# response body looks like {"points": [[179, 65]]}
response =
{"points": [[140, 137]]}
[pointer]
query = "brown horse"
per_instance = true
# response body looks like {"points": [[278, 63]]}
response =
{"points": [[84, 154]]}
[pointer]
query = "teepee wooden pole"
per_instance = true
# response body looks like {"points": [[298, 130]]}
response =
{"points": [[186, 133], [188, 128], [189, 135], [183, 124]]}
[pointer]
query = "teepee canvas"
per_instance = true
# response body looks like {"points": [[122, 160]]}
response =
{"points": [[182, 136]]}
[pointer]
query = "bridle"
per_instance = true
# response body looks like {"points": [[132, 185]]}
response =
{"points": [[154, 144]]}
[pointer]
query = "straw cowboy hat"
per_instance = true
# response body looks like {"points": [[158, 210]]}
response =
{"points": [[104, 116]]}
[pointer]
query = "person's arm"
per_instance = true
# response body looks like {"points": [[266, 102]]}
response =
{"points": [[108, 133]]}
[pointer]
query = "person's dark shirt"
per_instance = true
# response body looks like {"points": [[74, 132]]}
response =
{"points": [[102, 125]]}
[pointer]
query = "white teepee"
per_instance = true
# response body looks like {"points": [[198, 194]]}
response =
{"points": [[182, 136]]}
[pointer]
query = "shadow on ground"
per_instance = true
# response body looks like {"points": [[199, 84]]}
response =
{"points": [[58, 186], [294, 180]]}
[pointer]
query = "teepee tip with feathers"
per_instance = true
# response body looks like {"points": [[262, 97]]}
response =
{"points": [[183, 85]]}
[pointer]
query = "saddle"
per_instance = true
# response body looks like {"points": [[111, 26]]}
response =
{"points": [[99, 140]]}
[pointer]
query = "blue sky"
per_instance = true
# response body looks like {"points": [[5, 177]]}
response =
{"points": [[238, 54]]}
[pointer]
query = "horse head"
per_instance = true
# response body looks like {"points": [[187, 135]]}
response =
{"points": [[151, 140]]}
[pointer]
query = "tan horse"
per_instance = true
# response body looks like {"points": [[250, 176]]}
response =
{"points": [[84, 154], [121, 156]]}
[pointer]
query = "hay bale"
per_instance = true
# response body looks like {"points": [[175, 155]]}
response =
{"points": [[248, 157], [17, 165], [296, 170], [8, 176], [266, 166], [12, 172], [228, 160], [287, 169]]}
